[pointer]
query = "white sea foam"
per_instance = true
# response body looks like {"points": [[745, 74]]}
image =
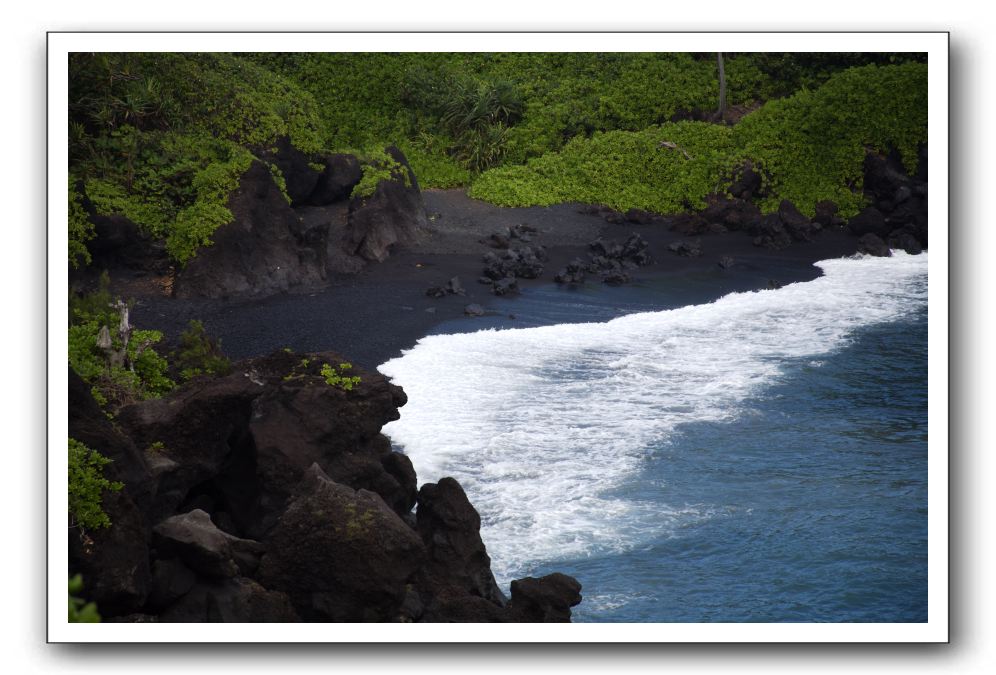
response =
{"points": [[542, 425]]}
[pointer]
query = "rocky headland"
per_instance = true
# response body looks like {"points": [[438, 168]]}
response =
{"points": [[271, 495]]}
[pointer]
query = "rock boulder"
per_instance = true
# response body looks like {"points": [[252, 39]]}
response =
{"points": [[256, 254], [393, 215], [341, 554]]}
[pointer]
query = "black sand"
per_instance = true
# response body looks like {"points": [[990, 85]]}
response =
{"points": [[374, 314]]}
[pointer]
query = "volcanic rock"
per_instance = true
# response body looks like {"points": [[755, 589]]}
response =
{"points": [[393, 215], [340, 554], [259, 252], [341, 174], [873, 245]]}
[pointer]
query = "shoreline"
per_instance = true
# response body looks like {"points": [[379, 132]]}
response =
{"points": [[371, 316]]}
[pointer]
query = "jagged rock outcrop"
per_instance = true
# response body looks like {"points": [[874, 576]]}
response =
{"points": [[269, 494], [114, 561], [299, 177], [457, 562], [238, 444], [341, 174], [609, 259], [688, 248], [872, 244], [341, 554], [394, 214], [573, 273], [898, 211], [261, 252], [203, 548], [545, 600]]}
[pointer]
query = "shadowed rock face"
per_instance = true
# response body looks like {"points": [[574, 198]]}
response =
{"points": [[261, 252], [295, 167], [394, 214], [341, 554], [119, 242], [238, 600], [114, 561], [897, 215], [271, 495], [450, 528], [342, 173], [545, 600]]}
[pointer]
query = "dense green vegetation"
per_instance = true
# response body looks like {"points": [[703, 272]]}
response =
{"points": [[810, 147], [456, 114], [812, 144], [118, 374], [199, 354], [87, 485], [164, 138], [622, 169]]}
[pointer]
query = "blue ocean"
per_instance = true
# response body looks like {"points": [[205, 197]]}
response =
{"points": [[758, 458]]}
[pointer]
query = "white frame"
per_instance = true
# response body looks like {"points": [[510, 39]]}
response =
{"points": [[935, 44]]}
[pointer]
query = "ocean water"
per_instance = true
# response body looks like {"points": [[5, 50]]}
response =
{"points": [[759, 458]]}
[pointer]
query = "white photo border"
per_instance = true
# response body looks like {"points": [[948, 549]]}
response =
{"points": [[935, 44]]}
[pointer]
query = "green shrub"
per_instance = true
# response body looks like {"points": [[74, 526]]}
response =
{"points": [[620, 169], [143, 373], [336, 377], [810, 147], [432, 164], [777, 74], [80, 229], [80, 611], [812, 144], [542, 99], [377, 166], [87, 485], [199, 354]]}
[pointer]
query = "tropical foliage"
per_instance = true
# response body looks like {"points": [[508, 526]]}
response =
{"points": [[199, 354], [140, 372], [87, 485], [809, 146], [163, 139]]}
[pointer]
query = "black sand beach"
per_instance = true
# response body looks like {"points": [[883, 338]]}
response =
{"points": [[372, 315]]}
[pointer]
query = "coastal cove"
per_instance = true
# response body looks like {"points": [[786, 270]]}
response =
{"points": [[692, 531], [506, 338]]}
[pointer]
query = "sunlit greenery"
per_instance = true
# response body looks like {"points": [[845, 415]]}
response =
{"points": [[809, 147], [163, 139]]}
